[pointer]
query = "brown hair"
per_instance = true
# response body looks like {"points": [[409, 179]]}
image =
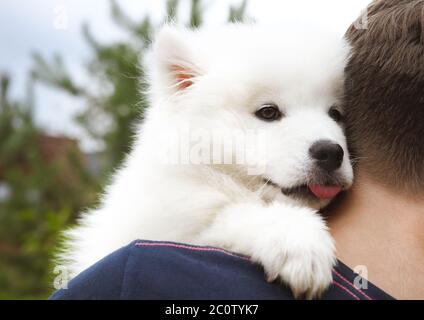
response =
{"points": [[384, 100]]}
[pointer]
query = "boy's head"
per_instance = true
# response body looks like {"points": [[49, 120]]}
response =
{"points": [[384, 101]]}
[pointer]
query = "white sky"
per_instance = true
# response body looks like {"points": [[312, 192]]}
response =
{"points": [[27, 26]]}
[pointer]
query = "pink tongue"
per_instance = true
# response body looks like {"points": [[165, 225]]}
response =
{"points": [[324, 192]]}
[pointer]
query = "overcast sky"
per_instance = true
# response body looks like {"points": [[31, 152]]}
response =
{"points": [[27, 26]]}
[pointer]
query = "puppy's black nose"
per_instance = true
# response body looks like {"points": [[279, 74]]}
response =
{"points": [[327, 155]]}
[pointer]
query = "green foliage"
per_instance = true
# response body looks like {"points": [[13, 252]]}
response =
{"points": [[45, 196], [35, 204], [238, 14], [196, 18]]}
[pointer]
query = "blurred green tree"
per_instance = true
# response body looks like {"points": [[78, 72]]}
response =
{"points": [[42, 182]]}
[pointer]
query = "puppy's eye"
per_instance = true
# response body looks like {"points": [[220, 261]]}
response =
{"points": [[269, 112], [335, 114]]}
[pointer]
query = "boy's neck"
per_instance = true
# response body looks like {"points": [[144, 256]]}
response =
{"points": [[383, 231]]}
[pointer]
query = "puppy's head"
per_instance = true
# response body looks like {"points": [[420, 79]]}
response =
{"points": [[278, 87]]}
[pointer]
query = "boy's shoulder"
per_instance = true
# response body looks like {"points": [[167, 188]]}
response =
{"points": [[174, 271]]}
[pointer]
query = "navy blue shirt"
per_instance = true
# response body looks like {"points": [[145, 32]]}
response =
{"points": [[167, 270]]}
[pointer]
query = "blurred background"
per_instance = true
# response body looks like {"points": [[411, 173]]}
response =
{"points": [[69, 99]]}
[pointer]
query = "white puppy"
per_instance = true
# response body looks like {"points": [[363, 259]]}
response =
{"points": [[276, 87]]}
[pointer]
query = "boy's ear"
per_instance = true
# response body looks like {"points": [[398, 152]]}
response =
{"points": [[176, 61]]}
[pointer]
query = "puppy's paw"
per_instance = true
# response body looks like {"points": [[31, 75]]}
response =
{"points": [[300, 253]]}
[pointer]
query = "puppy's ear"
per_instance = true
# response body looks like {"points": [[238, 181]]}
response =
{"points": [[176, 62]]}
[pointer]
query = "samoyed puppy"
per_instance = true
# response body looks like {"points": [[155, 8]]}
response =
{"points": [[241, 146]]}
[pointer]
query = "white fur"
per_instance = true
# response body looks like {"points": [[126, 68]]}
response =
{"points": [[234, 70]]}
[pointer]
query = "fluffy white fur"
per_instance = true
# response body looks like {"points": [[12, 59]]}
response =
{"points": [[217, 79]]}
